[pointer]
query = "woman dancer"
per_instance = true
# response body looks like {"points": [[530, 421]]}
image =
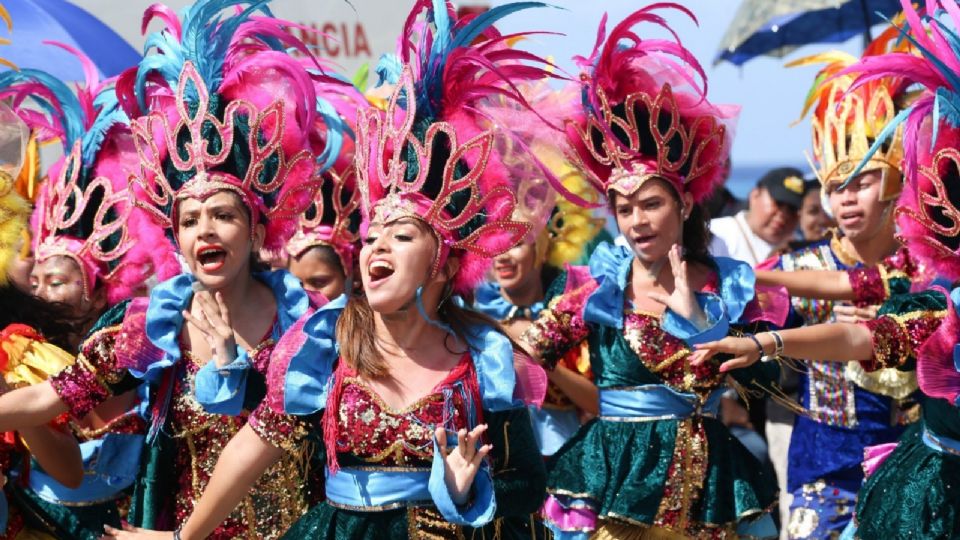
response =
{"points": [[87, 258], [656, 461], [26, 357], [227, 172], [414, 394], [323, 250]]}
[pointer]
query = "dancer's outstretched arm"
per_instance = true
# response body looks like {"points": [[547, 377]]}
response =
{"points": [[820, 284], [30, 406], [835, 342]]}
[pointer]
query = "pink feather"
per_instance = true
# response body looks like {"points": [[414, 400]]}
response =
{"points": [[936, 373], [167, 15]]}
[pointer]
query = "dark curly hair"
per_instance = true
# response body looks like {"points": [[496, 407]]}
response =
{"points": [[52, 320]]}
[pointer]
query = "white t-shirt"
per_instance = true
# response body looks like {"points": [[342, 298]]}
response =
{"points": [[732, 237]]}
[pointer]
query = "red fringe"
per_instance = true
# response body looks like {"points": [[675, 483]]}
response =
{"points": [[330, 429]]}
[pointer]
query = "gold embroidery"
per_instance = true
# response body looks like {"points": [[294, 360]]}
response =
{"points": [[426, 523]]}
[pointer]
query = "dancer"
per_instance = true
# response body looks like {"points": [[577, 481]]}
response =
{"points": [[847, 409], [87, 258], [226, 172], [26, 355], [657, 460], [413, 393], [924, 469], [323, 250]]}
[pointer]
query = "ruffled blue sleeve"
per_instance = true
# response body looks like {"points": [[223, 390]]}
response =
{"points": [[292, 300], [610, 267], [492, 354], [304, 359], [164, 321], [482, 504], [737, 285], [220, 390], [718, 324]]}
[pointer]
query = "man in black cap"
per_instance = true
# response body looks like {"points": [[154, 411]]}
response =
{"points": [[771, 217]]}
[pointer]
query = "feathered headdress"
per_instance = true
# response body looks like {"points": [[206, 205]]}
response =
{"points": [[846, 122], [560, 228], [332, 220], [227, 108], [83, 211], [645, 113], [928, 211], [433, 155]]}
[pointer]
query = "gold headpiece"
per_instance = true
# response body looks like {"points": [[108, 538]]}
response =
{"points": [[846, 123]]}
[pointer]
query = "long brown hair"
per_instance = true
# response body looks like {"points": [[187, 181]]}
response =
{"points": [[358, 341]]}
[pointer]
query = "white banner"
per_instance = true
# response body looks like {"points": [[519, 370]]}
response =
{"points": [[350, 34]]}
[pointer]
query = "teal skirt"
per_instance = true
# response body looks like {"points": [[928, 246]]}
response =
{"points": [[914, 494], [65, 522], [622, 469], [326, 521]]}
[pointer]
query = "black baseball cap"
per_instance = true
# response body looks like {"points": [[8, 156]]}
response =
{"points": [[785, 185]]}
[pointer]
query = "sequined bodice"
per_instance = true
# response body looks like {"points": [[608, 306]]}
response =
{"points": [[666, 356], [277, 499], [373, 432]]}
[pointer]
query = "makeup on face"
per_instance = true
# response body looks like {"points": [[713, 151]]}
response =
{"points": [[59, 279], [215, 237], [395, 260]]}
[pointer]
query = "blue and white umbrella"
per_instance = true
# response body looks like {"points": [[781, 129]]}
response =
{"points": [[36, 21], [776, 27]]}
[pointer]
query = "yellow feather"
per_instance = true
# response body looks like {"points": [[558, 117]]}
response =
{"points": [[5, 15]]}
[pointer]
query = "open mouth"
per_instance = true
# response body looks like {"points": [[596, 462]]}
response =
{"points": [[851, 216], [211, 258], [505, 272], [379, 271], [644, 239]]}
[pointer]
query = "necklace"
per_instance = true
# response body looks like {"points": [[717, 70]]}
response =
{"points": [[836, 243]]}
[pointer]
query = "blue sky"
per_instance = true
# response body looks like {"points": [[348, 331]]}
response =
{"points": [[771, 96]]}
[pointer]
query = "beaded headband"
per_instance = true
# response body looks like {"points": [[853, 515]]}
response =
{"points": [[684, 150], [332, 220], [846, 122], [208, 144], [67, 200], [388, 152], [645, 114]]}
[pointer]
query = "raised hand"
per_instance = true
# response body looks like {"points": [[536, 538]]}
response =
{"points": [[744, 351], [213, 323], [130, 532], [682, 301], [462, 463]]}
